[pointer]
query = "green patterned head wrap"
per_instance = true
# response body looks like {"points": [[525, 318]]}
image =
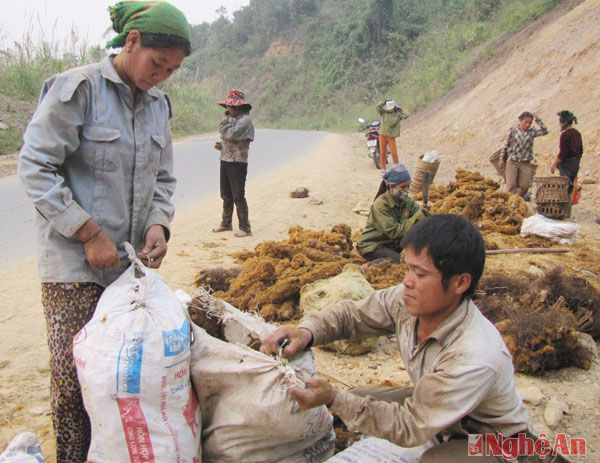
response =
{"points": [[567, 118], [149, 18]]}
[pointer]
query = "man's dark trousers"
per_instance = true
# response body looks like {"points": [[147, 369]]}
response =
{"points": [[233, 185]]}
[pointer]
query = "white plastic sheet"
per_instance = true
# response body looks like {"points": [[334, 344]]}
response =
{"points": [[24, 448], [430, 156], [556, 230]]}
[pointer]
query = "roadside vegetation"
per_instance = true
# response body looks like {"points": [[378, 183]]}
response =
{"points": [[305, 64], [319, 63]]}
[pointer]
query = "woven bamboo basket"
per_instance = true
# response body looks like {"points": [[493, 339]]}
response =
{"points": [[416, 182], [554, 210], [498, 162], [552, 189]]}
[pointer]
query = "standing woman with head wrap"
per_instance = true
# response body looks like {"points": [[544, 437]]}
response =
{"points": [[97, 162], [570, 148]]}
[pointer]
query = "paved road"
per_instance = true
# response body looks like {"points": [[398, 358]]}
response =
{"points": [[196, 169]]}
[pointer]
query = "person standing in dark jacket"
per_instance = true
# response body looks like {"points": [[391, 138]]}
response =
{"points": [[237, 132], [570, 148]]}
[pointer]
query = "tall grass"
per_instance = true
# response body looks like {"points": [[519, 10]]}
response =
{"points": [[195, 108], [25, 64]]}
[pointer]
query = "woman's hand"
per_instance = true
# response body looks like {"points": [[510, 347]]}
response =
{"points": [[554, 166], [155, 247], [101, 251]]}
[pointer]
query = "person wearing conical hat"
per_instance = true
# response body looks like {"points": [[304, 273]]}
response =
{"points": [[237, 132], [97, 162], [391, 115]]}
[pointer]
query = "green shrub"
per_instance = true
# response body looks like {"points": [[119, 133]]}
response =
{"points": [[194, 108], [10, 140]]}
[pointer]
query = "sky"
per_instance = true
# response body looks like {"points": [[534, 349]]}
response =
{"points": [[89, 18]]}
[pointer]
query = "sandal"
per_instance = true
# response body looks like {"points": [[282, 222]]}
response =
{"points": [[221, 228]]}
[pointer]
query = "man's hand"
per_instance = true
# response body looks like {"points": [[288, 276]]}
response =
{"points": [[155, 247], [298, 339], [317, 392], [218, 145], [554, 166]]}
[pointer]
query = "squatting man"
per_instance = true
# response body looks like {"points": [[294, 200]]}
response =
{"points": [[461, 369]]}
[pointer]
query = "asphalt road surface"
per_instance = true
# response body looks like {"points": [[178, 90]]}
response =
{"points": [[196, 169]]}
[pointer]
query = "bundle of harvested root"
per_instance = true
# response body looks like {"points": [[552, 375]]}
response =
{"points": [[480, 200], [385, 274], [540, 326], [217, 279], [274, 273], [541, 338]]}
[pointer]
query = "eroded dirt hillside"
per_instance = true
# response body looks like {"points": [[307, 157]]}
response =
{"points": [[550, 66]]}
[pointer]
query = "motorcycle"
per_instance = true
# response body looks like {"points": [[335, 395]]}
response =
{"points": [[372, 135]]}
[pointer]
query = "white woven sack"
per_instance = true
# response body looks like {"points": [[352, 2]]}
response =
{"points": [[375, 450], [248, 415], [24, 448], [133, 363]]}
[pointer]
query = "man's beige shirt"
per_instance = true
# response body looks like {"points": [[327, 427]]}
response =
{"points": [[462, 369]]}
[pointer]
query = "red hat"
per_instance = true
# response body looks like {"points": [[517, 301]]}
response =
{"points": [[235, 97]]}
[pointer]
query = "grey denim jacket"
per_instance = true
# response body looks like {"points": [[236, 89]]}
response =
{"points": [[90, 150]]}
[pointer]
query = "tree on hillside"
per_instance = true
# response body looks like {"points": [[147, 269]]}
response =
{"points": [[378, 17]]}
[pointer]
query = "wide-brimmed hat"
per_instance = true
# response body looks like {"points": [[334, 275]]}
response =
{"points": [[235, 97]]}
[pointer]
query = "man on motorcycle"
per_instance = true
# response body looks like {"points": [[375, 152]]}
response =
{"points": [[392, 214], [391, 115]]}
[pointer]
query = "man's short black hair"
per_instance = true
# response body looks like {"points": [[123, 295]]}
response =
{"points": [[454, 245]]}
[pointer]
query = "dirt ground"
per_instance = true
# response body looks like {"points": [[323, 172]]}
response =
{"points": [[555, 68], [24, 373]]}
